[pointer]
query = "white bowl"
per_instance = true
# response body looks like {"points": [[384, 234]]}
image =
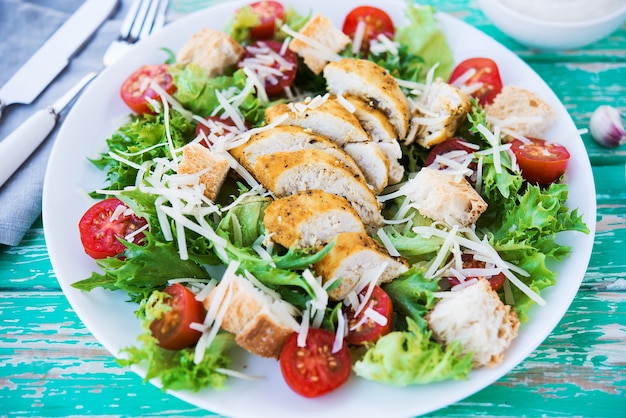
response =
{"points": [[556, 34]]}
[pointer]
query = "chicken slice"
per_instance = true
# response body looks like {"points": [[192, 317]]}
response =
{"points": [[373, 84], [354, 256], [310, 219], [288, 138], [286, 173]]}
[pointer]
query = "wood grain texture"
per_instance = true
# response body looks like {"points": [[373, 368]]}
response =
{"points": [[50, 365]]}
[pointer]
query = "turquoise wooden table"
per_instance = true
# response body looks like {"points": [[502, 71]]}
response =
{"points": [[50, 364]]}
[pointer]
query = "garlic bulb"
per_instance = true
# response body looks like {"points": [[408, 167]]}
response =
{"points": [[606, 127]]}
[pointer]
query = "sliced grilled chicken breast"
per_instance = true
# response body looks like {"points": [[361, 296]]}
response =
{"points": [[373, 84], [310, 219], [286, 173], [354, 256], [288, 138], [373, 163], [325, 117]]}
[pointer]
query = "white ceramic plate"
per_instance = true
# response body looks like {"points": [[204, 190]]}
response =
{"points": [[111, 320]]}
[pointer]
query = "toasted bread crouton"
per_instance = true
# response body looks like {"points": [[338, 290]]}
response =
{"points": [[260, 322], [439, 112], [520, 112], [325, 117], [476, 317], [353, 256], [310, 219], [320, 40], [212, 50], [444, 196], [286, 173], [213, 168], [373, 84], [288, 138]]}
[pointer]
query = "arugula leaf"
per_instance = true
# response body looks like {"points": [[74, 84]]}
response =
{"points": [[403, 358]]}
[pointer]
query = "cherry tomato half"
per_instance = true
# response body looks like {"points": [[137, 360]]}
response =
{"points": [[314, 370], [215, 125], [269, 12], [172, 330], [469, 261], [540, 161], [486, 75], [103, 223], [277, 71], [376, 21], [363, 329], [136, 90], [451, 144]]}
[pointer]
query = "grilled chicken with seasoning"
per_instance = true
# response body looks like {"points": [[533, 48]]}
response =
{"points": [[373, 84], [288, 138], [353, 257], [286, 173], [310, 219]]}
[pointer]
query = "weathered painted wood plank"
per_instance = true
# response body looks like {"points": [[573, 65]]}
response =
{"points": [[57, 367]]}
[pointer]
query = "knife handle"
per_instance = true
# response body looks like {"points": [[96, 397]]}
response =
{"points": [[20, 144]]}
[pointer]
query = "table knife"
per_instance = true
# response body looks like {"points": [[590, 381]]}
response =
{"points": [[54, 55]]}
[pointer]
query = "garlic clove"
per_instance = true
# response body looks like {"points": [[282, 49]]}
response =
{"points": [[606, 127]]}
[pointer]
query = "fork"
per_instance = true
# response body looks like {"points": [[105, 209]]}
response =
{"points": [[143, 18]]}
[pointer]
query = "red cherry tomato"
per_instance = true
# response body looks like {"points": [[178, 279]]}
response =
{"points": [[136, 90], [486, 76], [314, 370], [172, 330], [363, 329], [452, 144], [496, 281], [103, 223], [376, 21], [540, 161], [215, 125], [269, 12], [277, 71]]}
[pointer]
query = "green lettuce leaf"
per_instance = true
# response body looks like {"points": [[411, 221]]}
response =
{"points": [[403, 358], [412, 294], [176, 369], [425, 39]]}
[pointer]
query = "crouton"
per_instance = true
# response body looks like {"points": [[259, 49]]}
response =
{"points": [[446, 197], [438, 113], [310, 219], [212, 50], [321, 39], [261, 323], [476, 317], [213, 169], [520, 112]]}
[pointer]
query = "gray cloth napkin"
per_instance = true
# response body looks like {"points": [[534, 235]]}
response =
{"points": [[24, 26]]}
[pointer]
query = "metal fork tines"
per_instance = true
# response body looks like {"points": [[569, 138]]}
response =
{"points": [[143, 18]]}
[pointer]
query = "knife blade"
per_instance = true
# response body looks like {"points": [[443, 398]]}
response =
{"points": [[54, 55]]}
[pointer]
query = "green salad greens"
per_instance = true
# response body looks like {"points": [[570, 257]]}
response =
{"points": [[521, 223]]}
